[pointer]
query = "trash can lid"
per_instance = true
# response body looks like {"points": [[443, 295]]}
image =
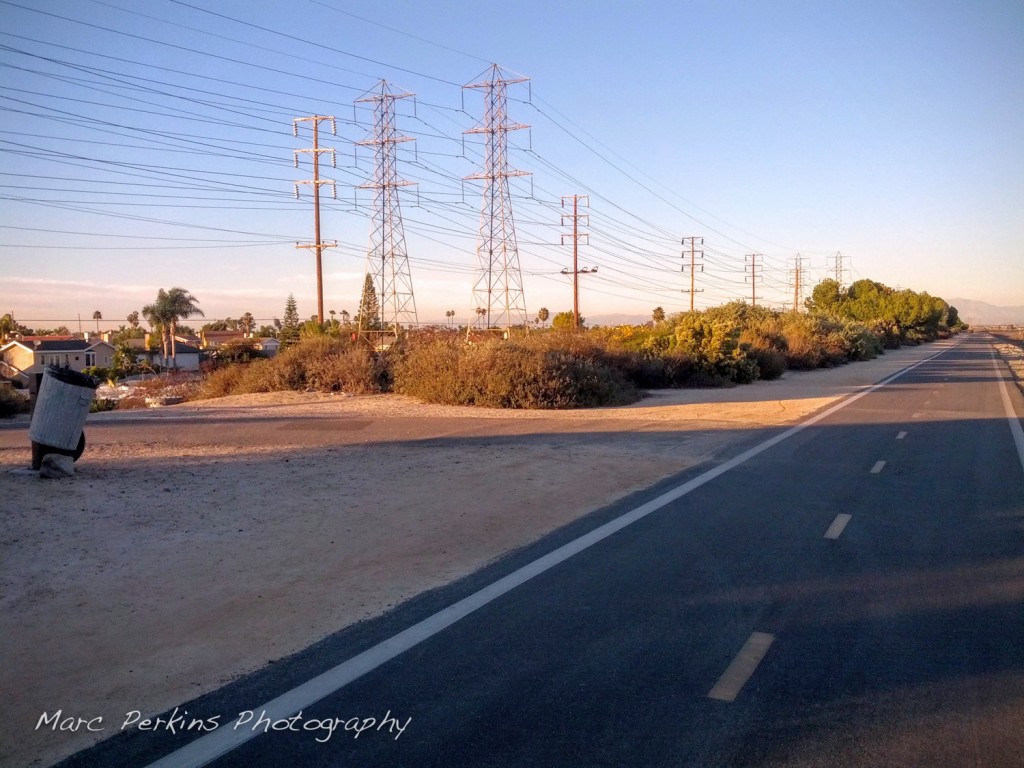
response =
{"points": [[74, 378]]}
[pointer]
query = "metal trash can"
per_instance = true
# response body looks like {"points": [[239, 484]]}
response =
{"points": [[61, 408]]}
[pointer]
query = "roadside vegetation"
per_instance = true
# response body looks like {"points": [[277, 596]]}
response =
{"points": [[12, 402], [557, 366]]}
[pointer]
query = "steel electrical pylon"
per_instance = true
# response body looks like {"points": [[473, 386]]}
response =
{"points": [[387, 261], [498, 301]]}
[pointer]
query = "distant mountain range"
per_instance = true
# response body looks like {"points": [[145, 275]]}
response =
{"points": [[980, 313], [620, 319]]}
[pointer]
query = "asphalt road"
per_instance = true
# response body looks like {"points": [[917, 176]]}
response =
{"points": [[850, 593]]}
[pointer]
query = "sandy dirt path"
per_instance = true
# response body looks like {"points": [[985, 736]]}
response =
{"points": [[199, 542]]}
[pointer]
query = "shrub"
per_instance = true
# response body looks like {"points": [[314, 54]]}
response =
{"points": [[318, 362], [771, 362], [530, 373], [354, 369], [12, 403], [860, 343], [429, 370], [764, 343], [221, 382], [100, 373], [738, 369], [101, 404]]}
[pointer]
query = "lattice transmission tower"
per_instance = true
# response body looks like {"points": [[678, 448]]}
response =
{"points": [[498, 301], [837, 268], [387, 261]]}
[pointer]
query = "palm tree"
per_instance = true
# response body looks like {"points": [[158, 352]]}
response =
{"points": [[156, 315], [247, 322], [181, 305], [543, 315], [97, 316], [133, 320]]}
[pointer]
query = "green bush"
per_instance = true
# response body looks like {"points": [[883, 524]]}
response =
{"points": [[11, 402], [99, 372], [765, 344], [100, 404], [732, 344], [771, 362], [860, 343]]}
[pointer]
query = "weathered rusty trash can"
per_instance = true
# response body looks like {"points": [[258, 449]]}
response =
{"points": [[61, 408]]}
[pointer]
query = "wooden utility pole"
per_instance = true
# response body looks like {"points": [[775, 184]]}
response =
{"points": [[318, 245], [753, 266], [797, 282], [694, 256], [575, 217]]}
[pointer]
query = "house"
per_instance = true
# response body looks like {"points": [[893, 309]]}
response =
{"points": [[268, 345], [29, 355], [214, 339], [186, 358]]}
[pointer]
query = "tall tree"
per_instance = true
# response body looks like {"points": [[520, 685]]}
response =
{"points": [[247, 322], [133, 320], [290, 325], [543, 314], [658, 315], [181, 305], [564, 321], [369, 306], [156, 315], [8, 326], [97, 316]]}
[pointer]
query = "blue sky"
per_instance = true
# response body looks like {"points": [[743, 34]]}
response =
{"points": [[146, 145]]}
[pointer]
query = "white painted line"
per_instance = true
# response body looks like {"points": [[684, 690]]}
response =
{"points": [[901, 435], [1015, 428], [212, 745], [877, 468], [838, 525], [742, 667]]}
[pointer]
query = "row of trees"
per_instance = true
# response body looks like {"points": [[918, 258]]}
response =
{"points": [[895, 315]]}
